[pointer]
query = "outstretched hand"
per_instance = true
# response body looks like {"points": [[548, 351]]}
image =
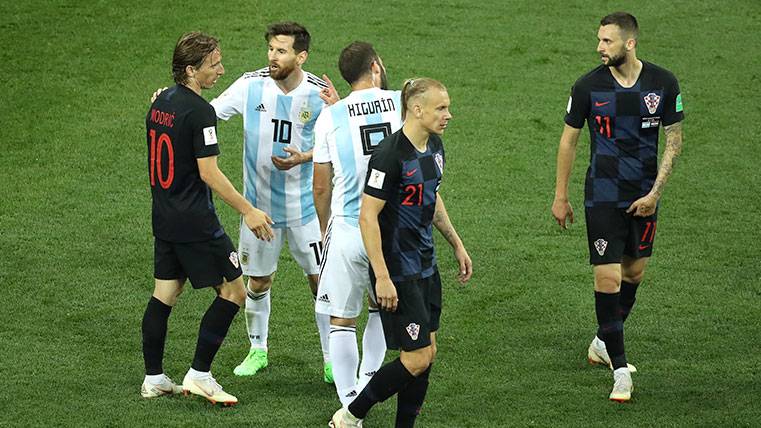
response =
{"points": [[329, 95]]}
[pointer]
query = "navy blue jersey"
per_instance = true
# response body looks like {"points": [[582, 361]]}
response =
{"points": [[180, 128], [408, 181], [623, 127]]}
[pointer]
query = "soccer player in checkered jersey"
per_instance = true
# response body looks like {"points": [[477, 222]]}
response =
{"points": [[400, 204], [190, 242], [345, 135], [625, 102], [280, 105]]}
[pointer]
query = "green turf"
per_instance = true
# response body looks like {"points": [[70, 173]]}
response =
{"points": [[76, 246]]}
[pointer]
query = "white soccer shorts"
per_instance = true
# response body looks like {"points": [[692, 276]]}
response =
{"points": [[345, 271], [259, 258]]}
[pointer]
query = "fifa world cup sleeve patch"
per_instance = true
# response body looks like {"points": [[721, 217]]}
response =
{"points": [[210, 136], [678, 103], [376, 179], [568, 108]]}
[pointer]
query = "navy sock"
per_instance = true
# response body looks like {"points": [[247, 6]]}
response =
{"points": [[387, 381], [611, 328], [154, 335], [627, 299], [214, 325], [410, 400]]}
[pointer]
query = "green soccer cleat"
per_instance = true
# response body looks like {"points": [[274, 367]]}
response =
{"points": [[327, 372], [254, 361]]}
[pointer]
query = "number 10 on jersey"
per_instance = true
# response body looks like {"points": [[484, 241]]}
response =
{"points": [[157, 150]]}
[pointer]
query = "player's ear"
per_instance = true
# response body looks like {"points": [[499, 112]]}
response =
{"points": [[190, 71], [301, 58]]}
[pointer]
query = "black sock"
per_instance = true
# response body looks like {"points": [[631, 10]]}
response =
{"points": [[212, 333], [627, 299], [387, 381], [410, 400], [611, 328], [154, 335]]}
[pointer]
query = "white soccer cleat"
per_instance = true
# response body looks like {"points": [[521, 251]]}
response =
{"points": [[343, 419], [165, 387], [208, 388], [598, 354], [622, 386]]}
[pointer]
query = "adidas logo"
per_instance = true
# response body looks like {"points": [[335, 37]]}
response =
{"points": [[324, 298], [370, 374], [261, 108], [353, 393]]}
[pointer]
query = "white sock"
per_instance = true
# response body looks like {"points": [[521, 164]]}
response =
{"points": [[258, 318], [154, 379], [345, 357], [323, 327], [373, 349], [195, 374]]}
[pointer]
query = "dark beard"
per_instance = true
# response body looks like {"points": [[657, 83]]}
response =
{"points": [[281, 73], [615, 62]]}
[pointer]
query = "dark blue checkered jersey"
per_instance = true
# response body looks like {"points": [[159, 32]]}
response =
{"points": [[408, 181], [623, 127]]}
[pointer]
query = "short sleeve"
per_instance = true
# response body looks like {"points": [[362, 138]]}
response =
{"points": [[230, 102], [672, 109], [204, 126], [577, 110], [383, 173], [322, 134]]}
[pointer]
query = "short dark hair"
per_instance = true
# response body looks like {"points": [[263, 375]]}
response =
{"points": [[356, 60], [191, 50], [625, 21], [301, 37]]}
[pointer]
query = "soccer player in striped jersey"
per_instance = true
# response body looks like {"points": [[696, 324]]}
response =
{"points": [[624, 101], [345, 135], [280, 105]]}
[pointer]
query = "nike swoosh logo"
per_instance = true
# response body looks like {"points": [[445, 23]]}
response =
{"points": [[411, 173], [599, 104], [643, 247]]}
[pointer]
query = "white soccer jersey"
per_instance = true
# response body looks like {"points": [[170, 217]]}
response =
{"points": [[345, 135], [272, 121]]}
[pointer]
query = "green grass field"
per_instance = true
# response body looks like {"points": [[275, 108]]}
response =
{"points": [[76, 244]]}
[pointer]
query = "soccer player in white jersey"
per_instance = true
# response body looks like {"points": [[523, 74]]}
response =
{"points": [[345, 135], [280, 104]]}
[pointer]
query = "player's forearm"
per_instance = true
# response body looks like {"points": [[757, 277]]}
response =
{"points": [[371, 238], [322, 206], [565, 158], [222, 186], [670, 153], [444, 225]]}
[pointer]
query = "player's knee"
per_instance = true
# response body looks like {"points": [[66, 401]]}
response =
{"points": [[343, 322], [433, 352], [416, 362], [259, 284], [634, 277], [233, 292], [607, 280]]}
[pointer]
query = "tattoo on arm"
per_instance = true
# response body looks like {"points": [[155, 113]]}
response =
{"points": [[442, 223], [673, 149]]}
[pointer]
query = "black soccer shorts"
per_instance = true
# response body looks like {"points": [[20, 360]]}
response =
{"points": [[417, 314], [612, 233], [205, 263]]}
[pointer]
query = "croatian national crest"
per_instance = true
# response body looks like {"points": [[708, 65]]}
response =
{"points": [[413, 330], [600, 246], [439, 161], [651, 101], [234, 259]]}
